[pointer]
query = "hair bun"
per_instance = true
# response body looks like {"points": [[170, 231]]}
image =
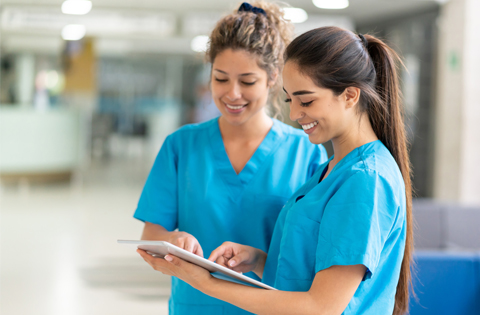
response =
{"points": [[276, 19]]}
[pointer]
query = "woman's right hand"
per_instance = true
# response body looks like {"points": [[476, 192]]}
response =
{"points": [[156, 232], [240, 258], [185, 241]]}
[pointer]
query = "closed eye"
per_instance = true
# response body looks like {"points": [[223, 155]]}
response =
{"points": [[289, 100], [305, 104]]}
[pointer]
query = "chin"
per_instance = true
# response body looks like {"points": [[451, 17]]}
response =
{"points": [[236, 121], [317, 140]]}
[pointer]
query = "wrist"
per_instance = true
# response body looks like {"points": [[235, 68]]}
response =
{"points": [[171, 236], [207, 285], [261, 258]]}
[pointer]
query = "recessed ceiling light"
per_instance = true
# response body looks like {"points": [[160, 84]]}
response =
{"points": [[73, 32], [199, 43], [295, 15], [77, 7], [331, 4]]}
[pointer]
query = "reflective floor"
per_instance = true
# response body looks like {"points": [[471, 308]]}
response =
{"points": [[59, 254]]}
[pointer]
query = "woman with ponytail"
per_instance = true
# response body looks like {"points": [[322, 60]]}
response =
{"points": [[343, 242]]}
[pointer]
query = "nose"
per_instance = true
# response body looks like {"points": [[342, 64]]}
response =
{"points": [[296, 111], [234, 92]]}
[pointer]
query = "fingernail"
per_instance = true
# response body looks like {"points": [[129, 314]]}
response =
{"points": [[231, 263], [168, 258]]}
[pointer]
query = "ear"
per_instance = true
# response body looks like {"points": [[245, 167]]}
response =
{"points": [[352, 96], [274, 79]]}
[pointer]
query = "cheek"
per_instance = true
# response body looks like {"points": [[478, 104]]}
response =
{"points": [[257, 94], [217, 90], [326, 117], [333, 120]]}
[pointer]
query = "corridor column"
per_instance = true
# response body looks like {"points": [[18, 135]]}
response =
{"points": [[457, 134]]}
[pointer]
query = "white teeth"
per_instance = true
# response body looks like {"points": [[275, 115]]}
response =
{"points": [[234, 107], [311, 125]]}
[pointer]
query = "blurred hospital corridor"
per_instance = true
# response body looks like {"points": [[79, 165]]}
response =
{"points": [[59, 246], [90, 91]]}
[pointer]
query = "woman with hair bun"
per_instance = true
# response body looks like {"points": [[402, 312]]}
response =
{"points": [[227, 179], [343, 242]]}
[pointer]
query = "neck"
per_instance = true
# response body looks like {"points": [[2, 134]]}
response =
{"points": [[257, 126], [358, 134]]}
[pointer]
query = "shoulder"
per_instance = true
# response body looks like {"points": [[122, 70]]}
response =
{"points": [[377, 158], [192, 131], [376, 171], [189, 129], [289, 131], [189, 136]]}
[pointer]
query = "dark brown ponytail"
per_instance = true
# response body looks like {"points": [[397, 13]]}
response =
{"points": [[335, 59], [391, 131]]}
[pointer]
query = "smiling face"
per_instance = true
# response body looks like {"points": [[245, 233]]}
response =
{"points": [[322, 114], [239, 86]]}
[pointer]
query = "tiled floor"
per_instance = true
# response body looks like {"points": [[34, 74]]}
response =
{"points": [[59, 254]]}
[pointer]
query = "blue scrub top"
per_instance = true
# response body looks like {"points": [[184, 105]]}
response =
{"points": [[356, 215], [193, 187]]}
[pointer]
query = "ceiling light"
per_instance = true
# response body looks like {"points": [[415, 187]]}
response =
{"points": [[295, 15], [199, 43], [77, 7], [331, 4], [73, 32]]}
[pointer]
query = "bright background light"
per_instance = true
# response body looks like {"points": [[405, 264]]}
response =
{"points": [[77, 7], [73, 32], [52, 79], [295, 15], [331, 4], [199, 43]]}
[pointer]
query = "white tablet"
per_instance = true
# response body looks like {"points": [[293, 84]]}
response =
{"points": [[161, 248]]}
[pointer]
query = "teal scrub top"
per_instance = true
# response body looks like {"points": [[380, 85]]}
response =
{"points": [[193, 187], [356, 215]]}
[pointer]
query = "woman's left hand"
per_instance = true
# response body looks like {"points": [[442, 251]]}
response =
{"points": [[194, 275]]}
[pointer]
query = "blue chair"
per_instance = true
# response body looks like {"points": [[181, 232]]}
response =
{"points": [[446, 283]]}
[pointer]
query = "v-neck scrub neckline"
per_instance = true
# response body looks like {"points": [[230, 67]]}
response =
{"points": [[237, 182]]}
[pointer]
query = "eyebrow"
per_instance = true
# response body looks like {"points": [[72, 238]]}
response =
{"points": [[243, 74], [302, 92]]}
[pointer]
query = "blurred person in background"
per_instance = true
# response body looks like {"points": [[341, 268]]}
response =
{"points": [[343, 242], [205, 108], [228, 178]]}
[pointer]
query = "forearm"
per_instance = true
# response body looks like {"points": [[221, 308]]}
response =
{"points": [[262, 258], [330, 293], [155, 232], [261, 301]]}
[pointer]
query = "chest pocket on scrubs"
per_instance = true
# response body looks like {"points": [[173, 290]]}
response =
{"points": [[296, 262]]}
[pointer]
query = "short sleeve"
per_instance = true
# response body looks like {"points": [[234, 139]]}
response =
{"points": [[357, 222], [158, 202]]}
